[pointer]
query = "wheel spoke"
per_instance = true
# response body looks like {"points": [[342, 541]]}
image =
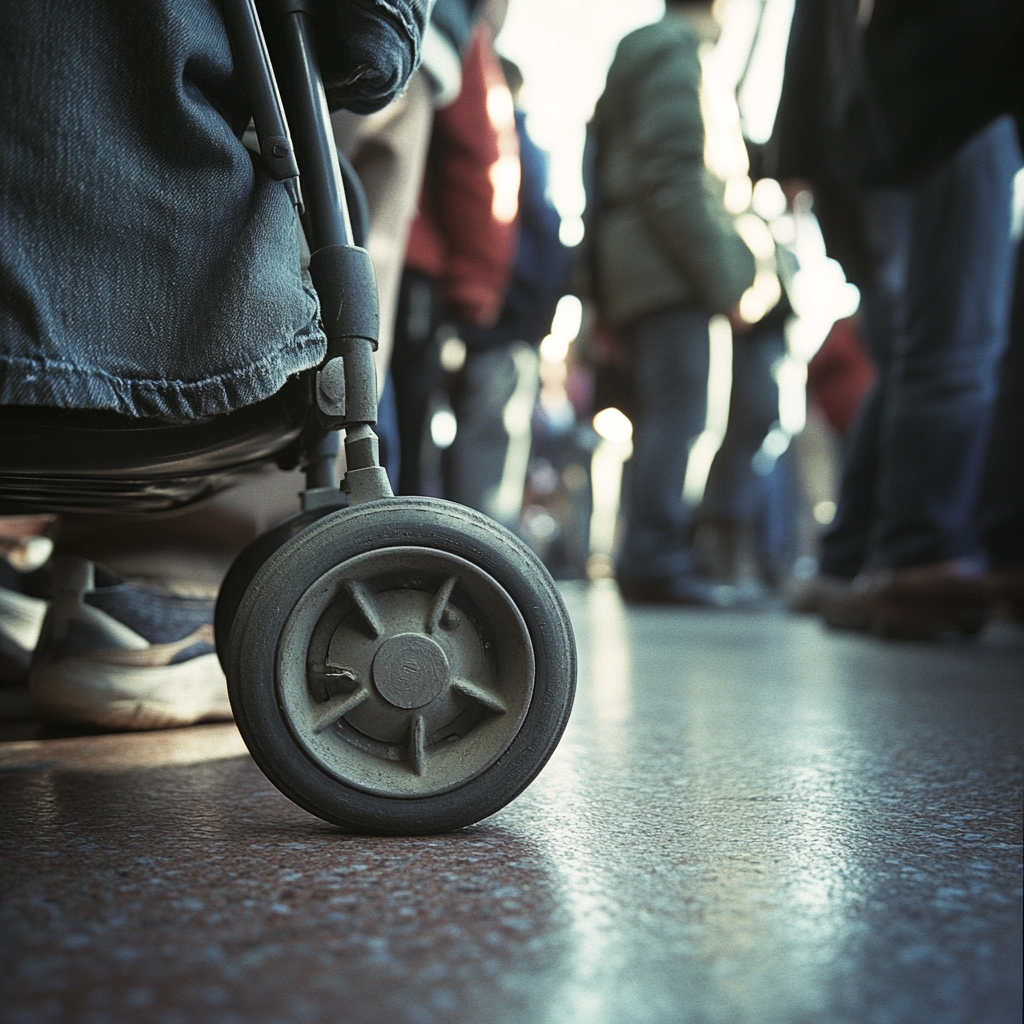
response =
{"points": [[327, 714], [363, 598], [489, 700], [440, 603], [418, 744]]}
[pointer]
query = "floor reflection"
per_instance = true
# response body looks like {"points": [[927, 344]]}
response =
{"points": [[749, 820]]}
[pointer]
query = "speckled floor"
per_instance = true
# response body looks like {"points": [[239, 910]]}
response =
{"points": [[749, 820]]}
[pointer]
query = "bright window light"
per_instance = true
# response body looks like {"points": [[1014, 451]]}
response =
{"points": [[571, 232], [554, 349], [613, 425], [443, 428], [824, 512], [769, 201], [453, 354], [568, 318]]}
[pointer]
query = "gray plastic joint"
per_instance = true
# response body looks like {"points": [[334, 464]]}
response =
{"points": [[279, 157], [322, 497], [362, 449], [330, 389], [369, 484]]}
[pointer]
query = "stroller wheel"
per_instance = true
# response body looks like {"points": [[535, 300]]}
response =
{"points": [[245, 566], [402, 666]]}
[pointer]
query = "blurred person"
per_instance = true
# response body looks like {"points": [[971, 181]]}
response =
{"points": [[728, 521], [458, 263], [493, 396], [666, 257], [893, 114], [388, 150], [1001, 502], [156, 280]]}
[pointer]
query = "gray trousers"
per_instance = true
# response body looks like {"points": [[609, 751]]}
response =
{"points": [[485, 468]]}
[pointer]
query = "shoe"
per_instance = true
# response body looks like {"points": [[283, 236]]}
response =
{"points": [[681, 590], [1006, 592], [808, 594], [21, 617], [919, 602], [125, 656]]}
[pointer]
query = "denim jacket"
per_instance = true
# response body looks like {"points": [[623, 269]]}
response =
{"points": [[148, 265]]}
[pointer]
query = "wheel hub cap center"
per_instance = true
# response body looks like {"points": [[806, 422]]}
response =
{"points": [[410, 670]]}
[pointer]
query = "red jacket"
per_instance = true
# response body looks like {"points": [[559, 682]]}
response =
{"points": [[841, 374], [464, 232]]}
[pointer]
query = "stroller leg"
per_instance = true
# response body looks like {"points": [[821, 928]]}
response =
{"points": [[401, 665]]}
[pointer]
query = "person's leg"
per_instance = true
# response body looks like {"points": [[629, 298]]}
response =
{"points": [[488, 460], [734, 493], [415, 372], [925, 563], [669, 351], [844, 547], [942, 380], [1001, 508]]}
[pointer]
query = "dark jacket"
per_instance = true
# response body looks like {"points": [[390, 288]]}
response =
{"points": [[540, 274], [661, 234], [367, 48], [886, 105]]}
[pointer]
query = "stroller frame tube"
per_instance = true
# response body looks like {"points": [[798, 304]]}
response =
{"points": [[346, 382]]}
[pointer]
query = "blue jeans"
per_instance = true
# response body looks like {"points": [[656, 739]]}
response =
{"points": [[148, 265], [936, 323], [669, 353], [1001, 507], [733, 491]]}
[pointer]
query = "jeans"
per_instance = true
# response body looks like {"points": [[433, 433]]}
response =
{"points": [[733, 491], [669, 350], [148, 265], [936, 323], [485, 468], [1001, 506]]}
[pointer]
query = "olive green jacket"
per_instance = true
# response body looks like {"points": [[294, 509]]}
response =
{"points": [[660, 232]]}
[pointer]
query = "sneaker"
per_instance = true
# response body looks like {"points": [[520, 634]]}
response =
{"points": [[22, 607], [125, 656], [21, 618]]}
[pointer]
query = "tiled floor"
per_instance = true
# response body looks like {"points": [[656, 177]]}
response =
{"points": [[749, 820]]}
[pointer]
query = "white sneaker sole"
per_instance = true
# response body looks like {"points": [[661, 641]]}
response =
{"points": [[21, 618], [119, 697]]}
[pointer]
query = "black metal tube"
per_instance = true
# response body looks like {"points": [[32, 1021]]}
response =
{"points": [[323, 191], [253, 61], [321, 458]]}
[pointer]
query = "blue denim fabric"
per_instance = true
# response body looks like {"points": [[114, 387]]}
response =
{"points": [[368, 49], [937, 327], [670, 358], [734, 491], [1001, 506], [147, 265]]}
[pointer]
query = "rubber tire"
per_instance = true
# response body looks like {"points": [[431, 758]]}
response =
{"points": [[244, 568], [420, 522]]}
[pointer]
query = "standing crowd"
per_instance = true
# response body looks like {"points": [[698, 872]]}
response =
{"points": [[165, 280]]}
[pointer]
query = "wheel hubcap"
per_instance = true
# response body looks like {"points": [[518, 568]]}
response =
{"points": [[410, 670], [405, 671]]}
